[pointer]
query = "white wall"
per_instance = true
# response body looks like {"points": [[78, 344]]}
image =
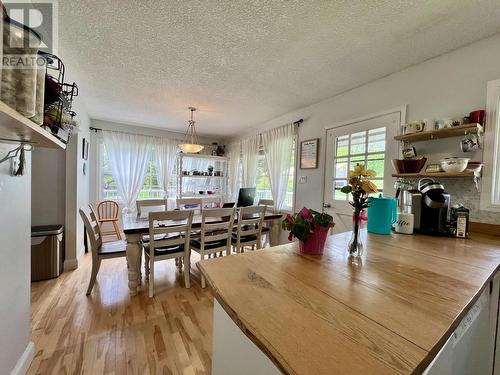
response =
{"points": [[447, 86], [77, 189], [15, 268]]}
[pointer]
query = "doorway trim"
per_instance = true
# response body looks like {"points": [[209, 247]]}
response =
{"points": [[402, 109]]}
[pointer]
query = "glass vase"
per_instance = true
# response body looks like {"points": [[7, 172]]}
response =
{"points": [[355, 246]]}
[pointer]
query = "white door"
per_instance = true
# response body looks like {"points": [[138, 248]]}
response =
{"points": [[369, 142]]}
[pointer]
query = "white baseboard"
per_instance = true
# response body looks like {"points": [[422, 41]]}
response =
{"points": [[70, 264], [24, 362]]}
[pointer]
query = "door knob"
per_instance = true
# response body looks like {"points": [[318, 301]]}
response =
{"points": [[327, 205]]}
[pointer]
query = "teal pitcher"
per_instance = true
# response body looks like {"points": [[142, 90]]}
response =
{"points": [[382, 213]]}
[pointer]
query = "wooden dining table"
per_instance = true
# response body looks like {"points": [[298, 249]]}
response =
{"points": [[135, 227]]}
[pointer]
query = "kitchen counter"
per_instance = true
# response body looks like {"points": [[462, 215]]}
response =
{"points": [[389, 313]]}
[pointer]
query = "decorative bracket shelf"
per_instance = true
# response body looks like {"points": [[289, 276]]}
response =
{"points": [[455, 131], [14, 127]]}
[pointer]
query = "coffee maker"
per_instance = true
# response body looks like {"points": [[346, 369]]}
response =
{"points": [[430, 206]]}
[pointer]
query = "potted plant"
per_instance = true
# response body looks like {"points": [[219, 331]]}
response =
{"points": [[310, 228], [360, 187]]}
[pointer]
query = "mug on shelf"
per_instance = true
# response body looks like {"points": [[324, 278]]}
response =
{"points": [[470, 143], [414, 127]]}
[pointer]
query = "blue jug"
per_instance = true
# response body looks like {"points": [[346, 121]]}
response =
{"points": [[382, 213]]}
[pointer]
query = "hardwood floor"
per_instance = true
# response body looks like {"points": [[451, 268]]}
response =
{"points": [[110, 332]]}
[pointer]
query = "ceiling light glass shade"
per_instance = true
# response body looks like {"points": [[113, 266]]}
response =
{"points": [[190, 144], [190, 148]]}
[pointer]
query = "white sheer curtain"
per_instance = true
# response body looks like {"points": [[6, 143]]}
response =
{"points": [[277, 144], [234, 155], [128, 158], [249, 155], [165, 155]]}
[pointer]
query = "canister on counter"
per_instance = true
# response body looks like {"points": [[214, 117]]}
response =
{"points": [[460, 221]]}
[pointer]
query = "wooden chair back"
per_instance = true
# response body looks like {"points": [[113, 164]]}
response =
{"points": [[182, 230], [219, 229], [107, 210], [250, 221], [183, 202], [158, 204], [93, 231], [269, 203]]}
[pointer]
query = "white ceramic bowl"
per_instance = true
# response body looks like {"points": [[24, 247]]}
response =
{"points": [[454, 165]]}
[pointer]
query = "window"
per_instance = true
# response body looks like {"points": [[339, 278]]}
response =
{"points": [[490, 192], [364, 147], [263, 184], [150, 189]]}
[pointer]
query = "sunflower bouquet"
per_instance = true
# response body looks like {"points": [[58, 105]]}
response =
{"points": [[360, 187]]}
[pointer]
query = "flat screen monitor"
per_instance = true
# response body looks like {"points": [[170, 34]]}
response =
{"points": [[246, 197]]}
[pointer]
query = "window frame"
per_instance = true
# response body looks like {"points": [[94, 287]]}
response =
{"points": [[491, 150]]}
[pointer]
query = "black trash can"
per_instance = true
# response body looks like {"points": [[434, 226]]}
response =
{"points": [[46, 251]]}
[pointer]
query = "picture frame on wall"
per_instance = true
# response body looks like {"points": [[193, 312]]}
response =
{"points": [[85, 149], [309, 154]]}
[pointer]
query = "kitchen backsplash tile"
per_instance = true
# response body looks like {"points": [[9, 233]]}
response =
{"points": [[463, 190]]}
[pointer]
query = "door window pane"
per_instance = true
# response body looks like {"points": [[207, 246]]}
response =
{"points": [[341, 168], [343, 146], [358, 143], [338, 195], [376, 163], [376, 140]]}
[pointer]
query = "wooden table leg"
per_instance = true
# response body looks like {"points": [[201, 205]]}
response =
{"points": [[134, 257]]}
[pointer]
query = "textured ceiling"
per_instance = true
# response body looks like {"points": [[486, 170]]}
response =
{"points": [[245, 62]]}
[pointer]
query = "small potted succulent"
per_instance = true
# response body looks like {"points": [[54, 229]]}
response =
{"points": [[310, 228]]}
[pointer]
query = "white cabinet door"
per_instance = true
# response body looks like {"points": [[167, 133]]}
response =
{"points": [[470, 348], [369, 142]]}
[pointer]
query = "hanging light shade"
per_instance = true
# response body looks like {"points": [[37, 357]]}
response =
{"points": [[190, 143]]}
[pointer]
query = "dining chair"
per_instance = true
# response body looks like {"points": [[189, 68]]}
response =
{"points": [[151, 205], [215, 236], [249, 228], [107, 212], [190, 204], [174, 246], [98, 249], [269, 204]]}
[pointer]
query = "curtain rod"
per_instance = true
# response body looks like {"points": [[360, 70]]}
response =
{"points": [[298, 122]]}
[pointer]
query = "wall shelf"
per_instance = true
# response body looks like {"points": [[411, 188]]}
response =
{"points": [[17, 128], [196, 176], [436, 174], [455, 131], [201, 156]]}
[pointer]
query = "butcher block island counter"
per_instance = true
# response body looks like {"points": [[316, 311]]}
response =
{"points": [[407, 299]]}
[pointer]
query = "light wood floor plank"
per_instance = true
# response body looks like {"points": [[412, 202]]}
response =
{"points": [[110, 332]]}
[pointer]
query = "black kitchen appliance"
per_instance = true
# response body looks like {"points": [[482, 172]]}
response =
{"points": [[430, 205]]}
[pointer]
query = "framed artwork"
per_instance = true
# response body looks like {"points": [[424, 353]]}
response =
{"points": [[309, 154], [85, 149]]}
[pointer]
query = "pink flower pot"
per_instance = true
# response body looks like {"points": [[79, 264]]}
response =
{"points": [[315, 244]]}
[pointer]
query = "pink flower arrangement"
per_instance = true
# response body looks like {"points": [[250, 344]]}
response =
{"points": [[304, 223]]}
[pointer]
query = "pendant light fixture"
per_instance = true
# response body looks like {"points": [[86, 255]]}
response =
{"points": [[190, 143]]}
